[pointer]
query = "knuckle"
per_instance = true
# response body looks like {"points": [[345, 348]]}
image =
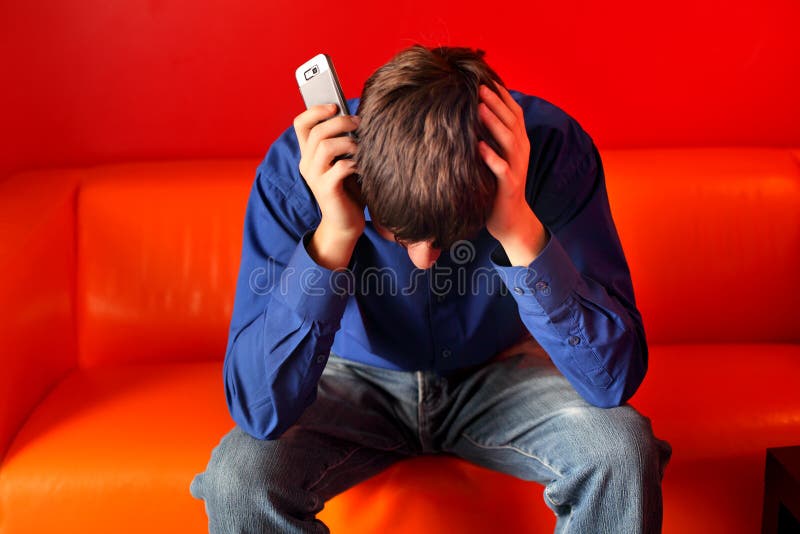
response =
{"points": [[344, 167], [324, 148], [345, 163], [342, 123], [313, 137], [339, 165], [304, 172]]}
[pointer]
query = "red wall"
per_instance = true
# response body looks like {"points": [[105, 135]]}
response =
{"points": [[95, 81]]}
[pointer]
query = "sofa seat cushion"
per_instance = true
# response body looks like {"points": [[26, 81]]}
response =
{"points": [[111, 445], [720, 407]]}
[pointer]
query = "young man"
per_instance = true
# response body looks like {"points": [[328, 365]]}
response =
{"points": [[481, 306]]}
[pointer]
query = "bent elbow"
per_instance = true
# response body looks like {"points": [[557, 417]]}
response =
{"points": [[625, 384], [260, 422]]}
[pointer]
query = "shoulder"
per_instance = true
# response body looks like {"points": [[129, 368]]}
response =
{"points": [[548, 123]]}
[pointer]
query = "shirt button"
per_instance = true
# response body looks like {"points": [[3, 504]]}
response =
{"points": [[574, 340], [446, 353], [320, 358], [543, 287], [518, 290]]}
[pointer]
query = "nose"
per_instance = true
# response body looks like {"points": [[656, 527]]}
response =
{"points": [[422, 255]]}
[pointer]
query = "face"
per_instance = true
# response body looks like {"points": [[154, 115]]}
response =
{"points": [[421, 253]]}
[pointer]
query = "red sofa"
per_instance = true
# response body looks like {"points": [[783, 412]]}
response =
{"points": [[118, 285]]}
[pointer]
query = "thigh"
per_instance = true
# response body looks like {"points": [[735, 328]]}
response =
{"points": [[518, 414], [348, 434]]}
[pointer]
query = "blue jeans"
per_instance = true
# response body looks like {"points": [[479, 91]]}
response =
{"points": [[516, 413]]}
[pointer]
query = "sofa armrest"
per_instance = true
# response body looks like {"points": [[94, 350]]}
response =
{"points": [[37, 293]]}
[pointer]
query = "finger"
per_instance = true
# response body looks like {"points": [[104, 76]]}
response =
{"points": [[330, 129], [338, 172], [496, 164], [501, 133], [508, 99], [309, 118], [328, 149], [498, 106]]}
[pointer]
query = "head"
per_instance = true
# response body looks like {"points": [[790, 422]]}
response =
{"points": [[422, 176]]}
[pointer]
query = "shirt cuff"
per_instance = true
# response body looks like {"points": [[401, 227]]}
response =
{"points": [[544, 284], [313, 291]]}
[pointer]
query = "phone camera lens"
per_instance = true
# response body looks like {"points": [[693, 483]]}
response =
{"points": [[310, 73]]}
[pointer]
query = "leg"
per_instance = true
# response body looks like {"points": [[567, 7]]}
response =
{"points": [[344, 437], [602, 468]]}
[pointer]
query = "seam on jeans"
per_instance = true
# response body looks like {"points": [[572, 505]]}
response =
{"points": [[337, 464], [547, 497], [515, 449], [346, 457], [569, 515], [420, 415], [550, 499]]}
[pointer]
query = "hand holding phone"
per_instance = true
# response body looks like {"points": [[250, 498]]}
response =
{"points": [[325, 135]]}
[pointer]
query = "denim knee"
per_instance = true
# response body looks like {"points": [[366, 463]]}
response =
{"points": [[622, 442], [244, 476], [613, 466], [229, 473]]}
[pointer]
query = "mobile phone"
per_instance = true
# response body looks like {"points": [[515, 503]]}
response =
{"points": [[319, 83]]}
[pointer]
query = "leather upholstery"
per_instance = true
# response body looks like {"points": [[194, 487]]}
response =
{"points": [[118, 286]]}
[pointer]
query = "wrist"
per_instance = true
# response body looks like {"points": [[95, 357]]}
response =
{"points": [[524, 244], [331, 248]]}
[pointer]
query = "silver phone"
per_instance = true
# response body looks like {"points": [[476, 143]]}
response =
{"points": [[319, 83]]}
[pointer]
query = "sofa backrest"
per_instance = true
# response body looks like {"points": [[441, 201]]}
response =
{"points": [[712, 237], [158, 254]]}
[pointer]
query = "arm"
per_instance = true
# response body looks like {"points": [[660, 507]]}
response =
{"points": [[571, 281], [289, 297]]}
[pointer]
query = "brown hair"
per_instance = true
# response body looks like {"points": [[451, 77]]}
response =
{"points": [[421, 174]]}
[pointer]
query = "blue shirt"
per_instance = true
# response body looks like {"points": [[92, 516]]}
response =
{"points": [[575, 298]]}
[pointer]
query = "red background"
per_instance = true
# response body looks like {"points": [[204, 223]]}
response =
{"points": [[98, 81]]}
